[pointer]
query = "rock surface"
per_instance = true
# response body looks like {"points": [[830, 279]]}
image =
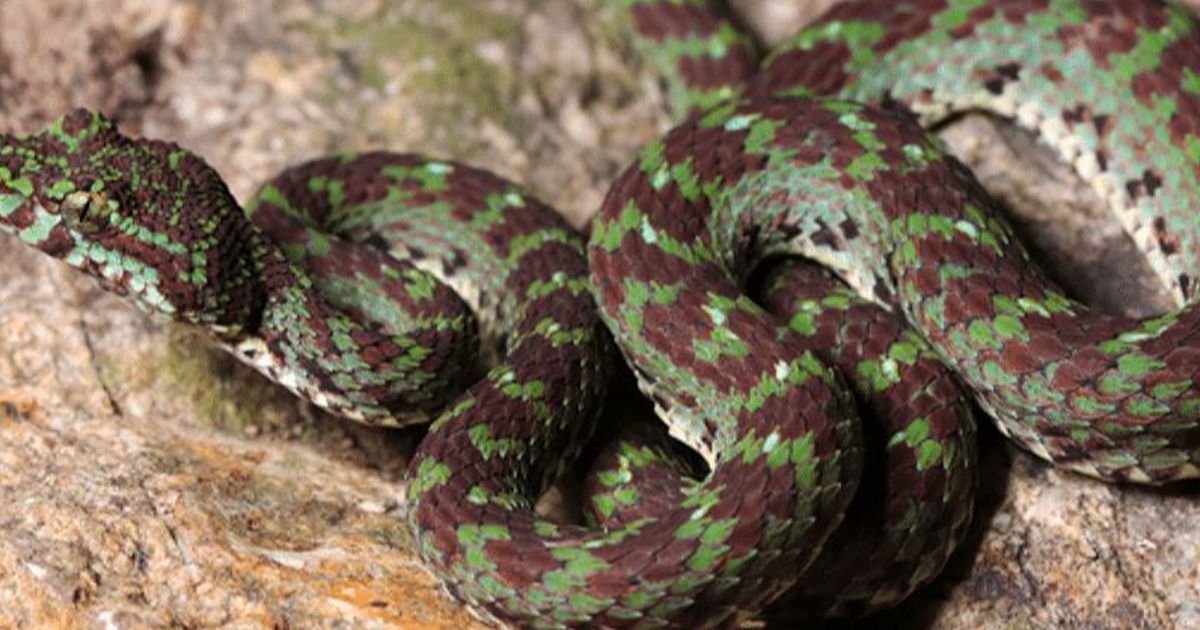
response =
{"points": [[147, 480]]}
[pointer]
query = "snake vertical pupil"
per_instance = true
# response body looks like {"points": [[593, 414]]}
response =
{"points": [[85, 211]]}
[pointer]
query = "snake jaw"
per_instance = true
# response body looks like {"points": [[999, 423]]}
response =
{"points": [[68, 229]]}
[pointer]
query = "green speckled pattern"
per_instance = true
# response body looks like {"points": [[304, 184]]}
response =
{"points": [[1108, 85], [337, 281]]}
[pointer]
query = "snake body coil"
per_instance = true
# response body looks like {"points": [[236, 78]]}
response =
{"points": [[336, 285]]}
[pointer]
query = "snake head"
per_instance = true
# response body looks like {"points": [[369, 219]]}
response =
{"points": [[148, 220]]}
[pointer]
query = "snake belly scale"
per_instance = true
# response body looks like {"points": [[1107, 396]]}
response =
{"points": [[336, 282]]}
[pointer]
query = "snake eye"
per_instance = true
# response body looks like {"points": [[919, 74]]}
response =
{"points": [[85, 211]]}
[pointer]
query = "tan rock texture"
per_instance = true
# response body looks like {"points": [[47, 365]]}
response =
{"points": [[147, 480]]}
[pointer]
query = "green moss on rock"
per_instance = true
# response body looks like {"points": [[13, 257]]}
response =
{"points": [[432, 57]]}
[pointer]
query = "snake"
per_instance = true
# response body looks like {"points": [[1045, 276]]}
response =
{"points": [[394, 288]]}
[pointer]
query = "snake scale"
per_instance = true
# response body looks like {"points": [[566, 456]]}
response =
{"points": [[382, 287]]}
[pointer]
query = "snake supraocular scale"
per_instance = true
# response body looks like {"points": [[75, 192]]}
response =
{"points": [[307, 294]]}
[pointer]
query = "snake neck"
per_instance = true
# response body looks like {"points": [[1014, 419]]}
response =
{"points": [[241, 295]]}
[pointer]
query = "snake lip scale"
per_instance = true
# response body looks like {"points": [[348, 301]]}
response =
{"points": [[377, 284]]}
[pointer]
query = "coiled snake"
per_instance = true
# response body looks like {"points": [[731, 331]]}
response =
{"points": [[335, 282]]}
